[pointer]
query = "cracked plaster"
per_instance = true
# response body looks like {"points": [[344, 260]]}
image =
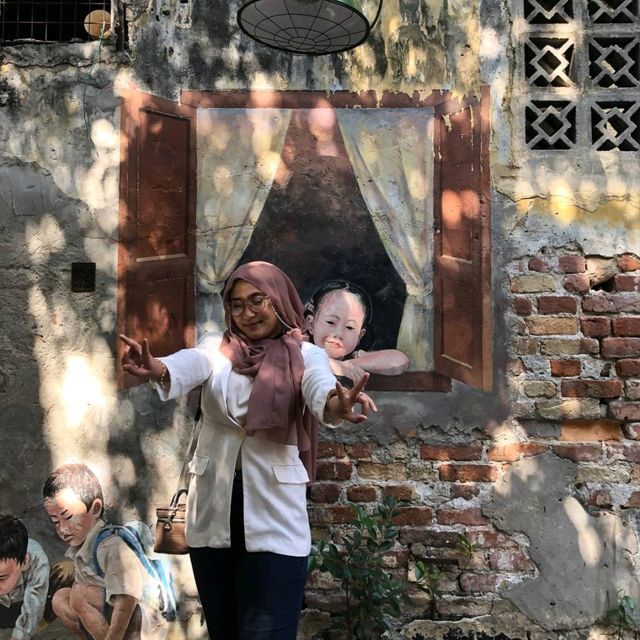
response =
{"points": [[583, 563]]}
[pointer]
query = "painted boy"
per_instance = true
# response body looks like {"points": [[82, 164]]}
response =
{"points": [[24, 579], [118, 605]]}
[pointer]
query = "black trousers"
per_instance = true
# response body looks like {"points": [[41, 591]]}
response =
{"points": [[248, 596]]}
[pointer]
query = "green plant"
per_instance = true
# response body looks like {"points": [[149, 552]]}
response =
{"points": [[621, 615], [372, 593]]}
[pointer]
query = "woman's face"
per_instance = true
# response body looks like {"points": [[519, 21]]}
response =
{"points": [[254, 325], [337, 323]]}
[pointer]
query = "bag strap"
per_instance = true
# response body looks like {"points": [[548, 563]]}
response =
{"points": [[182, 478]]}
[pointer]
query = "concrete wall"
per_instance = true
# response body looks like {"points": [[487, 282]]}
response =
{"points": [[541, 473]]}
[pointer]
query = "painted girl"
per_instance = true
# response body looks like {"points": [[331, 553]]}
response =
{"points": [[336, 319]]}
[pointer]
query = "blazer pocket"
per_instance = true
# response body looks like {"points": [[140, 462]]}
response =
{"points": [[198, 464], [290, 473]]}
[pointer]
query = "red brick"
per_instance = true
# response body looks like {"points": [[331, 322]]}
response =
{"points": [[577, 283], [620, 347], [591, 388], [480, 582], [599, 498], [401, 492], [629, 411], [330, 601], [324, 492], [627, 282], [540, 264], [548, 325], [468, 517], [330, 450], [578, 452], [385, 471], [603, 302], [338, 470], [395, 559], [487, 539], [629, 452], [359, 450], [557, 304], [429, 537], [628, 262], [465, 491], [514, 451], [468, 473], [572, 264], [340, 514], [595, 326], [413, 516], [525, 346], [360, 493], [634, 500], [632, 430], [522, 306], [626, 326], [589, 430], [509, 560], [565, 367], [627, 368], [470, 451]]}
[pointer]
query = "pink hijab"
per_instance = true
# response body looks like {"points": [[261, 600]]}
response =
{"points": [[276, 405]]}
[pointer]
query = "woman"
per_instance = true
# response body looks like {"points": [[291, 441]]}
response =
{"points": [[263, 390]]}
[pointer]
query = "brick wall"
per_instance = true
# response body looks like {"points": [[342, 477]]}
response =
{"points": [[574, 352], [578, 344]]}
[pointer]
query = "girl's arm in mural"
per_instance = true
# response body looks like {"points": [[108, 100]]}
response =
{"points": [[387, 362]]}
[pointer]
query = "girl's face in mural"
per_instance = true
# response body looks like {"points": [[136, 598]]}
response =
{"points": [[255, 323], [70, 516], [337, 323], [10, 572]]}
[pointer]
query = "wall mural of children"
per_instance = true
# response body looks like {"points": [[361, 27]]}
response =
{"points": [[24, 579], [124, 603], [337, 319]]}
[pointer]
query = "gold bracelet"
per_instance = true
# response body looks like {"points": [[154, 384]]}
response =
{"points": [[162, 380]]}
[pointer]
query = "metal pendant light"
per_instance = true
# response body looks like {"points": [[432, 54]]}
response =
{"points": [[309, 27]]}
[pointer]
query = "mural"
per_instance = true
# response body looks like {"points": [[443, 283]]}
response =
{"points": [[27, 581], [326, 194], [337, 318]]}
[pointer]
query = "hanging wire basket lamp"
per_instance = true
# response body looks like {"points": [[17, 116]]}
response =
{"points": [[307, 27]]}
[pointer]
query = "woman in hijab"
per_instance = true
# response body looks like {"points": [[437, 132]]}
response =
{"points": [[264, 390]]}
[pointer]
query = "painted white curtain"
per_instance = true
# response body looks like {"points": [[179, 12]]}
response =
{"points": [[238, 161], [391, 151]]}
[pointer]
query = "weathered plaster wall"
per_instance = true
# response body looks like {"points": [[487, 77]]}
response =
{"points": [[439, 454]]}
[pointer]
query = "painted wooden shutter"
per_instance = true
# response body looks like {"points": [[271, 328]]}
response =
{"points": [[157, 224], [462, 277]]}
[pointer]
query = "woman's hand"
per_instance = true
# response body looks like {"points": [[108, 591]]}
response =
{"points": [[341, 405], [138, 361]]}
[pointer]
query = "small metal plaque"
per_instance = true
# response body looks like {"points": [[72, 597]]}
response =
{"points": [[83, 277]]}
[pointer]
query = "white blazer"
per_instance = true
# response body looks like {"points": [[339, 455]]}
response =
{"points": [[274, 479]]}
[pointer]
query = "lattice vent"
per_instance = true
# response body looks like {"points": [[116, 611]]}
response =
{"points": [[548, 62], [613, 11], [550, 124], [614, 62], [548, 11], [616, 125]]}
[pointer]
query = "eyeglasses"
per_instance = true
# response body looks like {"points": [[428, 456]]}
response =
{"points": [[255, 303]]}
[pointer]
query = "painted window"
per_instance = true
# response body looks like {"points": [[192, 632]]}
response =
{"points": [[393, 198]]}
